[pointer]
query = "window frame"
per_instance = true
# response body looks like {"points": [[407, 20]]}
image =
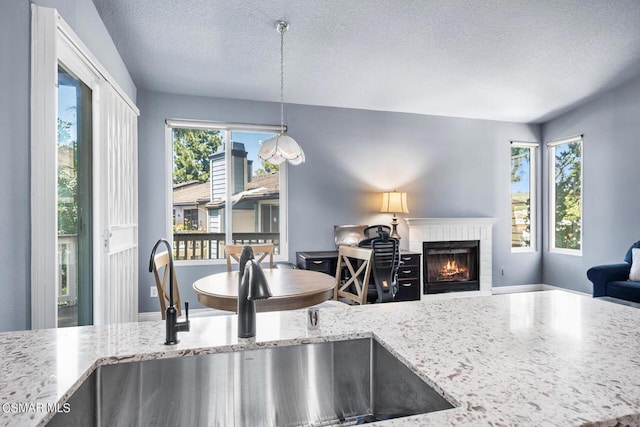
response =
{"points": [[225, 128], [533, 195], [551, 173], [54, 42]]}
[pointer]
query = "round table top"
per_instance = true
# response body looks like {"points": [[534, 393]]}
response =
{"points": [[291, 289]]}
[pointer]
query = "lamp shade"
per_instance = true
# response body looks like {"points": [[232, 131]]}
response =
{"points": [[281, 148], [394, 202]]}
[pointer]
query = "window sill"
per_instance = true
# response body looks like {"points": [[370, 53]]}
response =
{"points": [[523, 250], [560, 251]]}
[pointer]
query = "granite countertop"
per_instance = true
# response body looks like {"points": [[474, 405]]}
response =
{"points": [[541, 358]]}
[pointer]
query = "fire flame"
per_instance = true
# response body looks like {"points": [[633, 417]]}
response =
{"points": [[451, 266], [451, 270]]}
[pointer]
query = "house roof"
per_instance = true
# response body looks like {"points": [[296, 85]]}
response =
{"points": [[196, 193], [270, 182], [191, 193], [260, 187]]}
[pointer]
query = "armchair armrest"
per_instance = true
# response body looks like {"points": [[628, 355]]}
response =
{"points": [[600, 275]]}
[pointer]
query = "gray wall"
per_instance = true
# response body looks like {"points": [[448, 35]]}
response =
{"points": [[449, 167], [15, 39], [82, 16], [611, 195], [14, 170]]}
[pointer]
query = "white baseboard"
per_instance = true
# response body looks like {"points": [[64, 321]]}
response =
{"points": [[199, 312], [516, 288], [451, 295], [553, 288], [532, 288]]}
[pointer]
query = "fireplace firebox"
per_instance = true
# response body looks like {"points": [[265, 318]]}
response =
{"points": [[451, 266]]}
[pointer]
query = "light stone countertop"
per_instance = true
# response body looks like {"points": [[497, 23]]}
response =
{"points": [[549, 358]]}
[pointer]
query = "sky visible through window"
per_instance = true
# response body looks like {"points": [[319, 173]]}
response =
{"points": [[252, 141], [522, 186], [67, 107]]}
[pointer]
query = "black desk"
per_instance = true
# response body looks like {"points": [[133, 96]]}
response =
{"points": [[408, 273], [322, 261]]}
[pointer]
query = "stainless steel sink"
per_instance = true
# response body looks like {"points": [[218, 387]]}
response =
{"points": [[334, 383]]}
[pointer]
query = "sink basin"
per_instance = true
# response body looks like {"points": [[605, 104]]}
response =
{"points": [[333, 383]]}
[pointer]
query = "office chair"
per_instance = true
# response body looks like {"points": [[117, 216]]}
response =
{"points": [[384, 264]]}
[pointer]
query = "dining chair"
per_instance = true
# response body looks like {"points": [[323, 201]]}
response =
{"points": [[352, 274], [161, 267], [260, 251]]}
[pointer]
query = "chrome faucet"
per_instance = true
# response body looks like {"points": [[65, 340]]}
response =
{"points": [[171, 315], [252, 286]]}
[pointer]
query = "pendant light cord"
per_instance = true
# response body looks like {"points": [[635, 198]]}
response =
{"points": [[282, 29]]}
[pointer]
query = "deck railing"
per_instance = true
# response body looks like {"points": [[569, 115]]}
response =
{"points": [[194, 245], [67, 269]]}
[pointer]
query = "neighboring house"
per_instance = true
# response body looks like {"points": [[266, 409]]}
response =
{"points": [[255, 209], [256, 198], [189, 205]]}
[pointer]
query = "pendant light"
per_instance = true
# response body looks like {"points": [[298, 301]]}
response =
{"points": [[281, 147]]}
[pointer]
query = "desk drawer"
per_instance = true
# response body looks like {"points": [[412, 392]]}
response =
{"points": [[409, 272], [408, 290], [322, 261], [321, 265], [409, 259]]}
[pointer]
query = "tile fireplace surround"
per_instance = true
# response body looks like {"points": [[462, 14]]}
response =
{"points": [[455, 229]]}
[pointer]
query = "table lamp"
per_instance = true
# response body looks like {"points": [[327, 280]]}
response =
{"points": [[394, 202]]}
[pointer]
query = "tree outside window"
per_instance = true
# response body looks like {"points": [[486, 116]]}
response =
{"points": [[566, 195], [523, 196]]}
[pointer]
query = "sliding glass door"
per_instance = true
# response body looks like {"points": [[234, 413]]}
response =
{"points": [[74, 208]]}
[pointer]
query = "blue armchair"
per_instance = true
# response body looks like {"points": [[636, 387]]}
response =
{"points": [[613, 279]]}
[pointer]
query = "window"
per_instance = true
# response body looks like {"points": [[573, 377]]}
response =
{"points": [[191, 221], [216, 166], [565, 195], [523, 196]]}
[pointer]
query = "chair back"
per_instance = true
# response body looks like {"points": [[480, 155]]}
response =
{"points": [[260, 252], [386, 260], [352, 274], [376, 231], [161, 267]]}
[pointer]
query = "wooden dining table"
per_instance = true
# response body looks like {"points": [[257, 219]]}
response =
{"points": [[290, 288]]}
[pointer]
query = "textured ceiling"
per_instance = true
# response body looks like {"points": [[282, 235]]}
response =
{"points": [[513, 60]]}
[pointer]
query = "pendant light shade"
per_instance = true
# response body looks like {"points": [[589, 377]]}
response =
{"points": [[281, 148]]}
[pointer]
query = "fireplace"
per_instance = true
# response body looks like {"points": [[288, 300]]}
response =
{"points": [[451, 266], [437, 230]]}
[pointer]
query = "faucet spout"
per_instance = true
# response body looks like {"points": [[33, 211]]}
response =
{"points": [[171, 315], [252, 286]]}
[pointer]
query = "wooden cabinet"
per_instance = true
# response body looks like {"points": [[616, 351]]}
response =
{"points": [[409, 277], [408, 273]]}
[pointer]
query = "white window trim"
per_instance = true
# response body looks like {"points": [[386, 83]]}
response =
{"points": [[551, 165], [47, 53], [227, 128], [533, 194]]}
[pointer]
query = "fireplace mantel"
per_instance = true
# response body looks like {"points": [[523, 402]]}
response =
{"points": [[417, 222], [456, 229]]}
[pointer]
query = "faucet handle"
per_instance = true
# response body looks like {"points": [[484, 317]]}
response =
{"points": [[186, 310]]}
